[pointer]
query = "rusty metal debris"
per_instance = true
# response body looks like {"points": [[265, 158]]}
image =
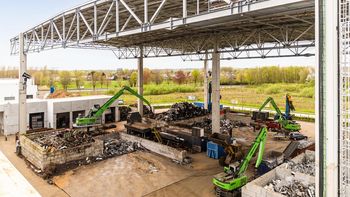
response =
{"points": [[146, 110], [226, 125], [63, 139], [305, 167], [124, 111], [181, 111], [292, 188], [118, 147]]}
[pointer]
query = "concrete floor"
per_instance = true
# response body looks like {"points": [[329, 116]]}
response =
{"points": [[12, 182], [44, 189], [139, 173]]}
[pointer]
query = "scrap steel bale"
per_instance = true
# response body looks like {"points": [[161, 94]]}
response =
{"points": [[181, 111], [124, 111]]}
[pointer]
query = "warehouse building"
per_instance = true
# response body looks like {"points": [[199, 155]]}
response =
{"points": [[53, 113], [9, 90]]}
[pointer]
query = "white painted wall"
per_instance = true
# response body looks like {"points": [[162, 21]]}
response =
{"points": [[9, 88], [63, 105], [50, 107], [10, 110]]}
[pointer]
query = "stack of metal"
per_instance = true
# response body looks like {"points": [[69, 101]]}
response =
{"points": [[124, 111], [63, 139], [306, 167], [181, 111], [292, 188], [117, 147], [226, 125]]}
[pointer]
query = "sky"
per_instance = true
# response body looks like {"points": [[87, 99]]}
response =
{"points": [[21, 15]]}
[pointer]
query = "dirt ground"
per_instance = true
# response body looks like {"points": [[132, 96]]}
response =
{"points": [[139, 173]]}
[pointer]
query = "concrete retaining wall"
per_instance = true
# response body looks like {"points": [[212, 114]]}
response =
{"points": [[256, 187], [42, 158], [167, 151]]}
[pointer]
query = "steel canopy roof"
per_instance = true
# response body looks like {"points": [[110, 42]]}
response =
{"points": [[187, 27]]}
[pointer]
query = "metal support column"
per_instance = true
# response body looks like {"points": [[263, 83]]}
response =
{"points": [[140, 81], [22, 105], [327, 98], [215, 114], [206, 81]]}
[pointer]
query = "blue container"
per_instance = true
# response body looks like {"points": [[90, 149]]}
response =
{"points": [[214, 150], [52, 89], [199, 104]]}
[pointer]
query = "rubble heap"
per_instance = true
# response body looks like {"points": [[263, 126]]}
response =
{"points": [[63, 139], [146, 109], [118, 147], [124, 111], [306, 167], [181, 111], [291, 188], [226, 125]]}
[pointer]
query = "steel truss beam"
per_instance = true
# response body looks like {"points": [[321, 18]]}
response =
{"points": [[177, 28], [287, 42]]}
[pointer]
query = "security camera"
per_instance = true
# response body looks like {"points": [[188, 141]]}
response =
{"points": [[26, 75]]}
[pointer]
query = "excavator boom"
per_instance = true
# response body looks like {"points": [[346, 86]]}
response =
{"points": [[91, 118], [238, 179], [274, 105], [259, 142]]}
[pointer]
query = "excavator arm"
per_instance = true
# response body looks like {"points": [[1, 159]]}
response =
{"points": [[106, 105], [230, 182], [259, 142], [92, 117], [274, 105]]}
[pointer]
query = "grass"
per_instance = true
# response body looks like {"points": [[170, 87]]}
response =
{"points": [[247, 96], [161, 89]]}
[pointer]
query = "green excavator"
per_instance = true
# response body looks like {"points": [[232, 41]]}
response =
{"points": [[285, 120], [96, 112], [232, 179]]}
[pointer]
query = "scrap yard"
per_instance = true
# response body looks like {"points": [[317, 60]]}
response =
{"points": [[210, 119], [166, 150]]}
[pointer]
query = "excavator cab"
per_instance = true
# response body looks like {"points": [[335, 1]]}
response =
{"points": [[93, 110], [289, 107]]}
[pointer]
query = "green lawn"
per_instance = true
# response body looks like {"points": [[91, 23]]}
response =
{"points": [[247, 95]]}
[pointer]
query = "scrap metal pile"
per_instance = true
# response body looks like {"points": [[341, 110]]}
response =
{"points": [[226, 125], [124, 111], [63, 139], [291, 188], [306, 167], [181, 111], [146, 109], [118, 147]]}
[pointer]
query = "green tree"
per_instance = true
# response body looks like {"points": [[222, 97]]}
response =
{"points": [[195, 76], [133, 79], [146, 76], [78, 78], [156, 77], [102, 78], [65, 79], [94, 76]]}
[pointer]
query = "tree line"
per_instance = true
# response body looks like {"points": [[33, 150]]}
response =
{"points": [[228, 76]]}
